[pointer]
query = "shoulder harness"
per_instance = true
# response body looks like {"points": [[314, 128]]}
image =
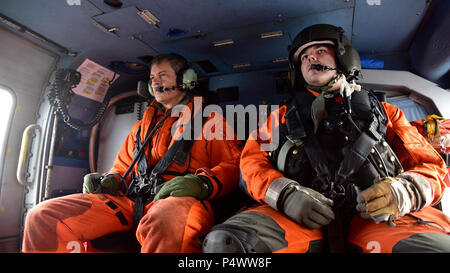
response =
{"points": [[301, 156]]}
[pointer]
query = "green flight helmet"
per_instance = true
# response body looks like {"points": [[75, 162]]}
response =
{"points": [[347, 58]]}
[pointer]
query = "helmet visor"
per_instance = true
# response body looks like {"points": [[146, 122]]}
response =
{"points": [[299, 51]]}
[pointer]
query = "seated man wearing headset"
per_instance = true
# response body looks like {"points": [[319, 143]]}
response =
{"points": [[159, 185]]}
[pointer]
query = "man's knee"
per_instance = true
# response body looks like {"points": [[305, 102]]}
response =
{"points": [[39, 217], [174, 224], [246, 232], [222, 241], [424, 243], [40, 230], [166, 216], [154, 222], [227, 238]]}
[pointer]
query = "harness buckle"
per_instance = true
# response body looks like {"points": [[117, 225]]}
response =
{"points": [[145, 187]]}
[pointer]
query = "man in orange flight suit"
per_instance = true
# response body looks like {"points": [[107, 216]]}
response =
{"points": [[170, 217], [348, 168]]}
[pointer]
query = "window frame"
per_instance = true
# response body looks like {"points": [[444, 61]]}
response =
{"points": [[8, 126]]}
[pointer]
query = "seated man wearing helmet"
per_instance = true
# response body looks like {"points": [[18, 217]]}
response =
{"points": [[349, 173]]}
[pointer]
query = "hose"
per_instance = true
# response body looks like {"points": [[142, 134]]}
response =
{"points": [[95, 128], [61, 93]]}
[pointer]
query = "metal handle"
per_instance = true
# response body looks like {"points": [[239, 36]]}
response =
{"points": [[25, 154]]}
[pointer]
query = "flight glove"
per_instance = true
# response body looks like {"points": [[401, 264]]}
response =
{"points": [[307, 207], [188, 185], [100, 183], [388, 200]]}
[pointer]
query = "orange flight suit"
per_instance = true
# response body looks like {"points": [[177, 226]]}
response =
{"points": [[415, 154], [173, 224]]}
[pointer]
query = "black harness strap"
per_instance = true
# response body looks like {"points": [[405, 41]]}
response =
{"points": [[146, 184], [141, 160], [177, 153], [357, 154], [354, 157], [145, 190], [138, 153], [295, 124]]}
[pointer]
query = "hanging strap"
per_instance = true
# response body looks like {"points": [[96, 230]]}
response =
{"points": [[144, 187], [178, 153], [357, 154], [296, 130], [140, 152]]}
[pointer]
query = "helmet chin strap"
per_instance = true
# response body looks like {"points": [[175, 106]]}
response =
{"points": [[325, 87], [346, 88]]}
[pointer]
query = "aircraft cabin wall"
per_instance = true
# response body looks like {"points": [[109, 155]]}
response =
{"points": [[27, 67]]}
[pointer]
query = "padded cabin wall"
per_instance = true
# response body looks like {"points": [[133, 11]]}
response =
{"points": [[430, 53], [254, 87]]}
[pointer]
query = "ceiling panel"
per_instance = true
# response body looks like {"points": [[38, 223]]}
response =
{"points": [[126, 20], [388, 27], [211, 16], [248, 46], [374, 26]]}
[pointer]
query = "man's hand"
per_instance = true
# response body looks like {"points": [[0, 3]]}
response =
{"points": [[388, 200], [100, 183], [188, 185], [307, 207]]}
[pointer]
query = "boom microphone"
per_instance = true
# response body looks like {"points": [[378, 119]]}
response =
{"points": [[320, 67], [164, 89]]}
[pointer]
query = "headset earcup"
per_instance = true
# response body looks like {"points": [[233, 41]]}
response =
{"points": [[189, 79]]}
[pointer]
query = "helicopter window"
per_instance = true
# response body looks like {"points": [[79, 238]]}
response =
{"points": [[7, 105]]}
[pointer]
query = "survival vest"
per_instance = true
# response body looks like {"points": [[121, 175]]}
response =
{"points": [[147, 180], [348, 152]]}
